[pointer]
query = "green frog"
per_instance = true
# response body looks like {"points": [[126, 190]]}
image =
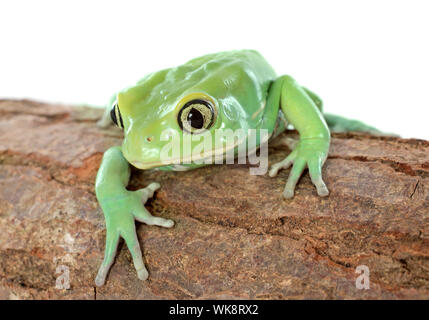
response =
{"points": [[235, 90]]}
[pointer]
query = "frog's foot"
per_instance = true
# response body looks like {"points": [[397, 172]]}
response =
{"points": [[120, 223], [311, 154], [104, 122], [144, 215]]}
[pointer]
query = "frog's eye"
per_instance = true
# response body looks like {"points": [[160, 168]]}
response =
{"points": [[196, 116], [115, 114]]}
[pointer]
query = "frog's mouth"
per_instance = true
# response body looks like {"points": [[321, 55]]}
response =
{"points": [[201, 158], [147, 165], [212, 154]]}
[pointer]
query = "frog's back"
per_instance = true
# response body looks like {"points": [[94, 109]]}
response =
{"points": [[234, 68], [238, 80], [241, 59], [204, 66]]}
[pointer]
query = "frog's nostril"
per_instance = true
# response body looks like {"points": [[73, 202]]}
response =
{"points": [[149, 138]]}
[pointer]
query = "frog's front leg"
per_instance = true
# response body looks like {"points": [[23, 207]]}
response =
{"points": [[313, 146], [121, 208]]}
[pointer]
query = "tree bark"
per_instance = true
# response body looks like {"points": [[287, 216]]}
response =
{"points": [[235, 236]]}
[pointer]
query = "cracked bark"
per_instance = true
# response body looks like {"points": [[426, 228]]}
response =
{"points": [[235, 237]]}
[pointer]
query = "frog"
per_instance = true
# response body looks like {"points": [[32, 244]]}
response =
{"points": [[226, 90]]}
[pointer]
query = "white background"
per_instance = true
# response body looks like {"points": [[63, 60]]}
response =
{"points": [[366, 59]]}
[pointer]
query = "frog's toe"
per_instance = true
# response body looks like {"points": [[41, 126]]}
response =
{"points": [[274, 170], [142, 274], [101, 277], [294, 175], [315, 169], [166, 223], [136, 253], [112, 239], [157, 221], [153, 186], [322, 190], [148, 192], [288, 193], [142, 215], [285, 164]]}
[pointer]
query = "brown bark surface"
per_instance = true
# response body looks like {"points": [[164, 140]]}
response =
{"points": [[235, 236]]}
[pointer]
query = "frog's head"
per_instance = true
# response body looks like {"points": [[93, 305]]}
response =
{"points": [[150, 121]]}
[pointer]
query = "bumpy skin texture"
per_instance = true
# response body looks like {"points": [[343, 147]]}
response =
{"points": [[244, 92]]}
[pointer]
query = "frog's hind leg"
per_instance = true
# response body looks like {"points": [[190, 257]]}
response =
{"points": [[316, 99], [341, 124], [338, 123]]}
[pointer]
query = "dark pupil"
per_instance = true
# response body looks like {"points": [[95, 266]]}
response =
{"points": [[195, 118]]}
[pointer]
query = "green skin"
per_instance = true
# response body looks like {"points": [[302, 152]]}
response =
{"points": [[245, 93]]}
